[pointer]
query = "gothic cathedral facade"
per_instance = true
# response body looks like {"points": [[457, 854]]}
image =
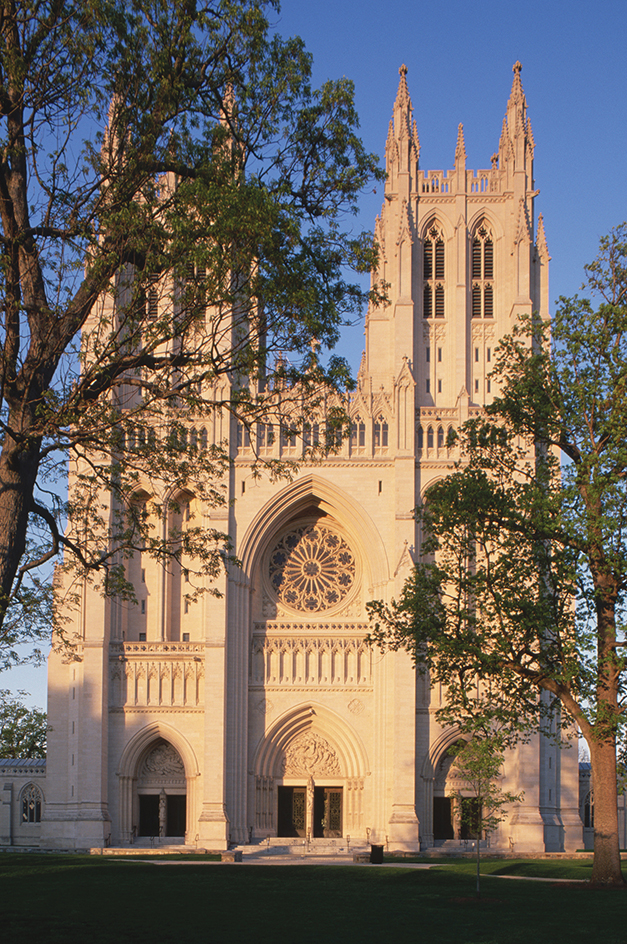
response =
{"points": [[264, 713]]}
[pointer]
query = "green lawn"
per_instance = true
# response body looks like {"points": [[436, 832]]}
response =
{"points": [[47, 899]]}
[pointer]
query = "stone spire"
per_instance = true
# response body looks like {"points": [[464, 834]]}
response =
{"points": [[402, 145], [516, 144]]}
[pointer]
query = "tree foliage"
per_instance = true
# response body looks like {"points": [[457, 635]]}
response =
{"points": [[23, 731], [478, 763], [175, 201], [522, 586]]}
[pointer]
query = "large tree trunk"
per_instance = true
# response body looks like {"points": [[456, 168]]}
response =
{"points": [[18, 473], [606, 868]]}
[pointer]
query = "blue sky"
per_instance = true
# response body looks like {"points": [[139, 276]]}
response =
{"points": [[459, 57]]}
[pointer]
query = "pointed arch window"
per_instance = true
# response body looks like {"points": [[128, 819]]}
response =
{"points": [[265, 436], [380, 431], [31, 804], [483, 272], [430, 437], [434, 272], [358, 434], [421, 437]]}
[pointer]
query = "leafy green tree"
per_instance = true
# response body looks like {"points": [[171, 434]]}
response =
{"points": [[154, 272], [23, 731], [478, 763], [518, 604]]}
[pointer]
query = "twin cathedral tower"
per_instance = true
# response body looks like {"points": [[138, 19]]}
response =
{"points": [[263, 712]]}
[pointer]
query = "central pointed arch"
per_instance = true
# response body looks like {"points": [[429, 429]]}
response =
{"points": [[300, 496], [315, 719]]}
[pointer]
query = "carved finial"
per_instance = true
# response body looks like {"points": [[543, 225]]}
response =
{"points": [[494, 160], [543, 249], [415, 139], [402, 96], [517, 96], [404, 231], [522, 231], [402, 107], [460, 150]]}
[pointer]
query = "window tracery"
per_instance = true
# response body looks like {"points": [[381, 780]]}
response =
{"points": [[358, 434], [311, 568], [381, 431], [483, 273], [31, 804]]}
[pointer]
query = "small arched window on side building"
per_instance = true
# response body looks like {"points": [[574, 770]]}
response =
{"points": [[32, 801]]}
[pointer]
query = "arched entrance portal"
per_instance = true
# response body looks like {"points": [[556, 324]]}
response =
{"points": [[158, 772], [315, 808], [309, 777], [161, 792], [455, 816]]}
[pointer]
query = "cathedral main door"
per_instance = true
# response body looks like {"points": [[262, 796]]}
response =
{"points": [[301, 815], [327, 813], [292, 812]]}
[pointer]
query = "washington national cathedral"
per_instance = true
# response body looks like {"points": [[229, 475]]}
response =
{"points": [[263, 712]]}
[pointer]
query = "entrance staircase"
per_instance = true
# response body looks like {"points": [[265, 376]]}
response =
{"points": [[330, 848]]}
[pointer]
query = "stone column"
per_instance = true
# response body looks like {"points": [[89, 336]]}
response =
{"points": [[6, 808]]}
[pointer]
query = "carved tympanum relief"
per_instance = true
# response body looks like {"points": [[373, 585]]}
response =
{"points": [[310, 755], [163, 761]]}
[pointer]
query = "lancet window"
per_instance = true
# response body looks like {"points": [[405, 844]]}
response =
{"points": [[265, 436], [194, 292], [381, 433], [433, 274], [358, 434], [311, 435], [483, 273]]}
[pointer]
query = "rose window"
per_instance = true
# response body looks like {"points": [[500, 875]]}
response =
{"points": [[311, 568]]}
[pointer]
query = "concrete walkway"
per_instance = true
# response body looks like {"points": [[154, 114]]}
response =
{"points": [[328, 860]]}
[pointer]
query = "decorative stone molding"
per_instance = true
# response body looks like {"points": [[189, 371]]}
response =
{"points": [[156, 674], [356, 706], [311, 661]]}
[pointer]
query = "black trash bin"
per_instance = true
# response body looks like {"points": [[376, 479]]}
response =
{"points": [[376, 855]]}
